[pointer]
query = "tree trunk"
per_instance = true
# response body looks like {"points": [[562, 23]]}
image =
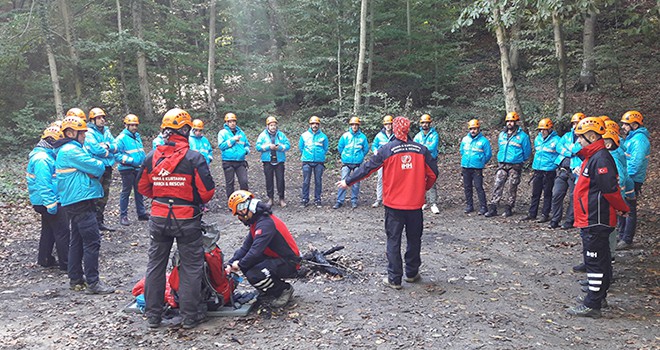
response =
{"points": [[408, 27], [340, 96], [510, 93], [210, 72], [47, 38], [120, 58], [142, 62], [561, 63], [360, 65], [587, 76], [276, 43], [514, 52], [73, 52], [370, 64]]}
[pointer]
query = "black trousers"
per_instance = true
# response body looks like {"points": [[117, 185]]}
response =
{"points": [[598, 260], [106, 180], [266, 276], [395, 221], [473, 176], [231, 168], [54, 232], [542, 182], [564, 185], [276, 171]]}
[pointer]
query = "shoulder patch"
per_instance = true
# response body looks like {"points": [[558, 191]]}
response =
{"points": [[257, 232], [602, 170]]}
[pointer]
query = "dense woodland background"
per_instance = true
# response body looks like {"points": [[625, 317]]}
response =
{"points": [[332, 58]]}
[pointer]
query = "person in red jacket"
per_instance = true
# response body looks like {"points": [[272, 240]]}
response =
{"points": [[597, 201], [179, 182], [268, 254], [409, 171]]}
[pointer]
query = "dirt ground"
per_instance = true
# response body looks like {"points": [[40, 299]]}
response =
{"points": [[508, 283]]}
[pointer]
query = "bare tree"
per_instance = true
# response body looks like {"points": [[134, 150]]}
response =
{"points": [[210, 72], [587, 75], [143, 80], [122, 77], [370, 64], [73, 52], [47, 39], [361, 55], [560, 54], [510, 93]]}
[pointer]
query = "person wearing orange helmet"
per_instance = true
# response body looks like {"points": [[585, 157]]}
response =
{"points": [[352, 146], [130, 155], [79, 187], [179, 182], [199, 142], [100, 143], [269, 253], [599, 196], [384, 136], [313, 146], [475, 152], [44, 198], [234, 146], [429, 137], [544, 168], [637, 149], [273, 145]]}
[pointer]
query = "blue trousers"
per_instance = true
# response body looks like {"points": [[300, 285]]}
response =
{"points": [[355, 189], [308, 169], [542, 182], [628, 226], [128, 184]]}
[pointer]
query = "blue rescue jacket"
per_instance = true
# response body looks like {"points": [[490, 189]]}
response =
{"points": [[157, 141], [568, 147], [430, 140], [130, 150], [475, 151], [353, 146], [637, 147], [515, 149], [233, 150], [546, 152], [381, 139], [625, 182], [40, 176], [202, 145], [78, 173], [93, 140], [264, 141], [313, 146]]}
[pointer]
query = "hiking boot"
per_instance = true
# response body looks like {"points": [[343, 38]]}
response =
{"points": [[102, 227], [435, 209], [603, 303], [376, 204], [269, 202], [413, 279], [189, 323], [566, 226], [354, 206], [528, 218], [507, 211], [318, 204], [387, 283], [304, 204], [468, 209], [483, 210], [99, 288], [583, 282], [584, 311], [543, 219], [492, 211], [123, 220], [336, 206], [143, 217], [553, 224], [154, 321], [282, 203], [284, 298], [77, 285], [580, 268], [623, 245]]}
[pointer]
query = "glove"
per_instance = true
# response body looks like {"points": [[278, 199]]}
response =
{"points": [[52, 210]]}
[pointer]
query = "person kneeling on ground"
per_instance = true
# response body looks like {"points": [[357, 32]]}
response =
{"points": [[269, 252]]}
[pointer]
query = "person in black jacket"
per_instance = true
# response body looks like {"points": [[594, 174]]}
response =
{"points": [[269, 252]]}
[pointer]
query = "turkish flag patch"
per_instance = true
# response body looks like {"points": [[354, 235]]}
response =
{"points": [[602, 171], [257, 232]]}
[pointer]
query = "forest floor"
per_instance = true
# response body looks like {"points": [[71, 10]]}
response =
{"points": [[495, 283]]}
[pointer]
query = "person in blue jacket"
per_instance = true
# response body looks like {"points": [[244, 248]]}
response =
{"points": [[475, 153], [78, 185], [429, 137], [100, 143], [234, 146], [637, 148], [313, 146], [514, 149], [273, 145], [159, 140], [42, 187], [383, 137], [198, 142], [353, 146], [544, 167], [130, 155]]}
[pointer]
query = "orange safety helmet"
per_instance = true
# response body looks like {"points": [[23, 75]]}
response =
{"points": [[354, 120], [54, 132], [590, 124], [512, 116], [74, 123], [474, 123], [96, 112], [577, 117], [604, 118], [198, 124], [131, 119], [610, 134], [176, 118], [545, 124], [425, 118], [230, 116], [237, 198], [612, 125], [314, 119], [76, 112], [271, 119], [57, 123], [632, 117], [388, 119]]}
